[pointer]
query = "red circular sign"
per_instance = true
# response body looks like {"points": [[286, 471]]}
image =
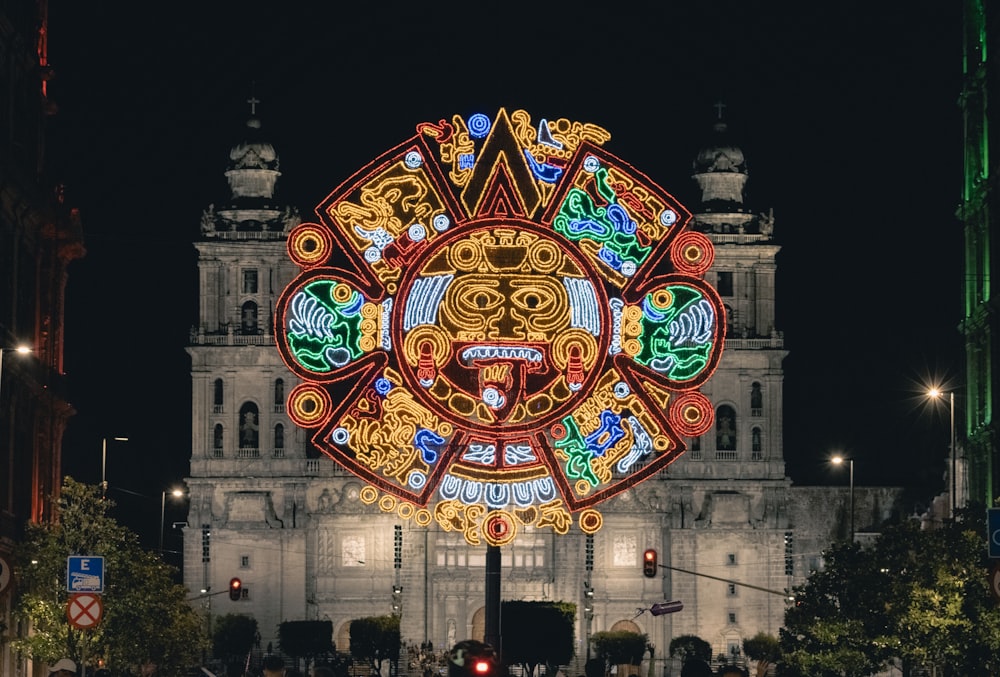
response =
{"points": [[84, 610]]}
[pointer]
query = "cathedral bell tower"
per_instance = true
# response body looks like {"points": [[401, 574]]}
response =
{"points": [[248, 461], [747, 387]]}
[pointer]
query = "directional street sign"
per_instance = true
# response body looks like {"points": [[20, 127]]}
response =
{"points": [[661, 608], [993, 531], [84, 574], [84, 610]]}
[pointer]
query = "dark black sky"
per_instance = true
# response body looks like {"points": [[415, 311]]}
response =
{"points": [[846, 111]]}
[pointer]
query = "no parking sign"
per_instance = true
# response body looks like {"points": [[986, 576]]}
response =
{"points": [[84, 610]]}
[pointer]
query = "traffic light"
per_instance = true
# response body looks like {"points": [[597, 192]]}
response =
{"points": [[649, 564], [235, 589]]}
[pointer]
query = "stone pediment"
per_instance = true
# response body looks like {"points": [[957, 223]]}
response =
{"points": [[727, 509], [251, 509]]}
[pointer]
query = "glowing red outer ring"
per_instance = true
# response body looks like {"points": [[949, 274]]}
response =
{"points": [[498, 528], [691, 414], [692, 253]]}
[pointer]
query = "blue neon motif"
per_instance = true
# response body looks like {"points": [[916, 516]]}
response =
{"points": [[543, 171], [428, 442]]}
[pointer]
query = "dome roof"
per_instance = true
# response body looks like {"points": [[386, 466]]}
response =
{"points": [[253, 152], [722, 155]]}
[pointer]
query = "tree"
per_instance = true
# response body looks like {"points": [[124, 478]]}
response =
{"points": [[233, 637], [918, 595], [686, 647], [619, 647], [375, 639], [764, 649], [146, 618], [536, 633], [306, 639]]}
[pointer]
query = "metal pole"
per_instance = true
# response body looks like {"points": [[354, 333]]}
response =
{"points": [[492, 629], [163, 511], [851, 460], [104, 463], [954, 485], [104, 467]]}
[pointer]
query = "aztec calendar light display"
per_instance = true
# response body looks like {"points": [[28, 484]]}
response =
{"points": [[521, 337]]}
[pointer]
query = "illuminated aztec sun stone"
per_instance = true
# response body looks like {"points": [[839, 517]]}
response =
{"points": [[520, 332]]}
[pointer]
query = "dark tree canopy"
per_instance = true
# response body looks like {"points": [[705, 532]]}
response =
{"points": [[620, 647], [915, 595], [375, 639], [537, 633], [686, 647], [764, 649], [306, 639], [233, 636], [147, 618]]}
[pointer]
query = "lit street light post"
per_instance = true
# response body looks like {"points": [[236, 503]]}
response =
{"points": [[936, 394], [104, 463], [22, 350], [176, 493], [837, 460]]}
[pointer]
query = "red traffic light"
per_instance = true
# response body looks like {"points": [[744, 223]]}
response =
{"points": [[649, 563], [481, 667], [235, 589]]}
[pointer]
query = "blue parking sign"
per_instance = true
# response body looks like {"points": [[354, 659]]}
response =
{"points": [[84, 574], [993, 531]]}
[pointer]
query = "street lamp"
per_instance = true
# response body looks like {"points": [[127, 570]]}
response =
{"points": [[837, 460], [176, 493], [937, 394], [104, 463], [23, 350]]}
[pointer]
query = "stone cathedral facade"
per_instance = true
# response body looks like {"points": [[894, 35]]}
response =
{"points": [[730, 530]]}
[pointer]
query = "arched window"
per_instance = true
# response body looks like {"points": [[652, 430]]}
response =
{"points": [[249, 318], [725, 428], [694, 446], [217, 396], [217, 441], [279, 395], [756, 400], [279, 440], [249, 426], [756, 445]]}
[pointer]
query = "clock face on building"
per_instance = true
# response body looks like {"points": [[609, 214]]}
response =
{"points": [[520, 333]]}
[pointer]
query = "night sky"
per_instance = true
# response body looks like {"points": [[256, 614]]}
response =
{"points": [[847, 113]]}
